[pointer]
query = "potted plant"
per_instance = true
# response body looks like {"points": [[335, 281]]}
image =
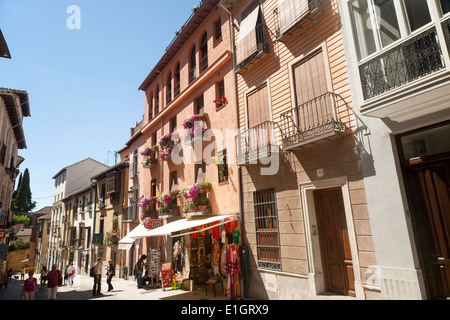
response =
{"points": [[202, 201], [166, 144], [220, 102]]}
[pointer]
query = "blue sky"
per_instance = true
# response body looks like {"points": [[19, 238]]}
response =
{"points": [[82, 84]]}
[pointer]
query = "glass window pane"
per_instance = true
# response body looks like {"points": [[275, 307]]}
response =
{"points": [[445, 5], [418, 13], [362, 28], [387, 19]]}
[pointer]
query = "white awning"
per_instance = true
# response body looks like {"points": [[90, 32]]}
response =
{"points": [[172, 228], [126, 242]]}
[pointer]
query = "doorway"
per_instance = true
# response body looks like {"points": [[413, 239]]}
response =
{"points": [[425, 159], [334, 241], [429, 196]]}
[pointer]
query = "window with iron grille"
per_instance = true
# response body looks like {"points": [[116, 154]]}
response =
{"points": [[266, 226]]}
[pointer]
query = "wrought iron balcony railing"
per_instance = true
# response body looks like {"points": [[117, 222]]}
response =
{"points": [[169, 96], [97, 239], [203, 63], [176, 90], [412, 59], [256, 143], [192, 74], [312, 121]]}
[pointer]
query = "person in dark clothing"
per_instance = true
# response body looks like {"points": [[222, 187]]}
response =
{"points": [[109, 274], [140, 270]]}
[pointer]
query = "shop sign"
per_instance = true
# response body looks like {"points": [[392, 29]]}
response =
{"points": [[152, 224]]}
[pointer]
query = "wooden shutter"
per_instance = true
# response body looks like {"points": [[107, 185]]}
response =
{"points": [[246, 44], [310, 82], [290, 11], [258, 106]]}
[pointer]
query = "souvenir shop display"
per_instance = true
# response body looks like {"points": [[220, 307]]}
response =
{"points": [[153, 265], [209, 257]]}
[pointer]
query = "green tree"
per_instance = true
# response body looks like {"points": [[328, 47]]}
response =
{"points": [[22, 201], [19, 219]]}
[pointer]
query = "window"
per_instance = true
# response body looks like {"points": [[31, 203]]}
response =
{"points": [[222, 167], [157, 101], [199, 105], [193, 64], [251, 35], [173, 124], [445, 6], [134, 167], [266, 227], [200, 172], [177, 81], [218, 29], [173, 180], [169, 89], [150, 108], [153, 188], [417, 13], [204, 53], [220, 92], [365, 28], [154, 138]]}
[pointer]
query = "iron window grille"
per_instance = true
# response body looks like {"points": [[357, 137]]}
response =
{"points": [[266, 227]]}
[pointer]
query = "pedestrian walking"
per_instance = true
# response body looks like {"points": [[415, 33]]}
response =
{"points": [[22, 273], [43, 274], [66, 274], [71, 274], [109, 274], [97, 278], [29, 286], [52, 280], [140, 269]]}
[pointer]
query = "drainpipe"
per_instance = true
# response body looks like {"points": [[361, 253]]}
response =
{"points": [[233, 54]]}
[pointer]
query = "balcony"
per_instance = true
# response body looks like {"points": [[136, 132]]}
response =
{"points": [[412, 59], [293, 15], [195, 127], [196, 199], [313, 121], [168, 204], [97, 239], [256, 143], [111, 239]]}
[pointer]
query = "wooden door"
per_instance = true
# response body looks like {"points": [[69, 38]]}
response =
{"points": [[334, 242], [428, 187]]}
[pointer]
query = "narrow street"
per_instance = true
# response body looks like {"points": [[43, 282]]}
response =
{"points": [[123, 290]]}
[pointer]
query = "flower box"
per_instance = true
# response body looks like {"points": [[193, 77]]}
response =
{"points": [[166, 144], [220, 102]]}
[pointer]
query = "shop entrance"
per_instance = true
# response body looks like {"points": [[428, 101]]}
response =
{"points": [[334, 241], [427, 180]]}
